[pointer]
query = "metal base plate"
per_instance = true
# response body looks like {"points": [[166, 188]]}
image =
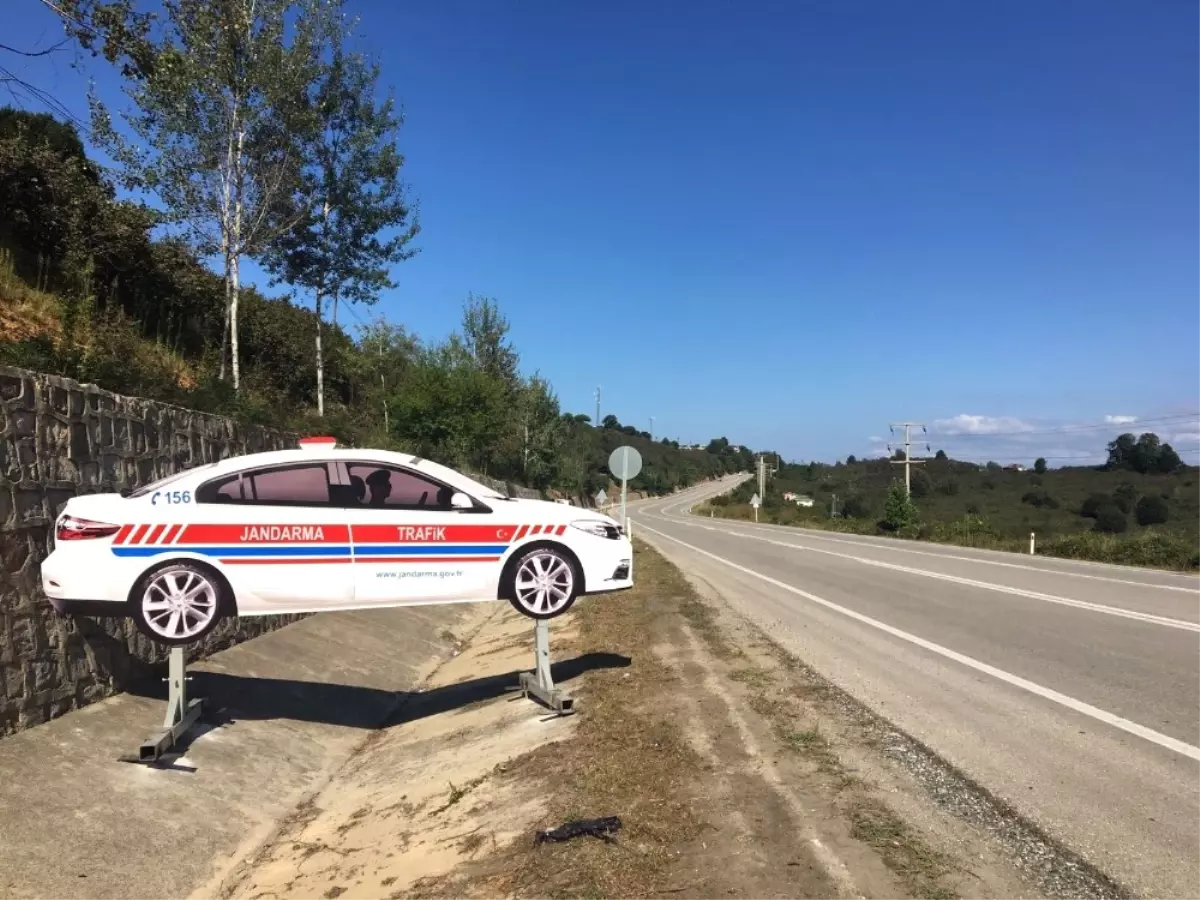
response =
{"points": [[555, 698]]}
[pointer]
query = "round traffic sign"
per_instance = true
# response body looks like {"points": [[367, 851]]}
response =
{"points": [[625, 463]]}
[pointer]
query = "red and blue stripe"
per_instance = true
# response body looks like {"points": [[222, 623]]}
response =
{"points": [[328, 544]]}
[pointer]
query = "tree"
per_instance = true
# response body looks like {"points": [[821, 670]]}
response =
{"points": [[1147, 454], [941, 454], [221, 124], [851, 459], [1168, 459], [1121, 452], [1039, 465], [353, 169], [1110, 519], [611, 423], [993, 467], [898, 510], [1152, 510], [542, 432]]}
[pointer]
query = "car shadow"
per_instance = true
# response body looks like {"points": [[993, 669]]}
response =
{"points": [[230, 698]]}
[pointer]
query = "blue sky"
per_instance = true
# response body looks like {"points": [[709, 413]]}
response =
{"points": [[792, 223]]}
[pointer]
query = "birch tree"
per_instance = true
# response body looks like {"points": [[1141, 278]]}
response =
{"points": [[361, 224], [218, 126]]}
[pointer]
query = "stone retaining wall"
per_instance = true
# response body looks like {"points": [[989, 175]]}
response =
{"points": [[59, 438]]}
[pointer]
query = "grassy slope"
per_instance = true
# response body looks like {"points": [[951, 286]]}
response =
{"points": [[986, 508]]}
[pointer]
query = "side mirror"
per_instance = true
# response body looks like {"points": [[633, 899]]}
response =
{"points": [[459, 500]]}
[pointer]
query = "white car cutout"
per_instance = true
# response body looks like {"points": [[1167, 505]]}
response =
{"points": [[322, 528]]}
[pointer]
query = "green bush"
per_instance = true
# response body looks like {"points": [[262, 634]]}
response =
{"points": [[1125, 496], [949, 487], [1039, 498], [899, 512], [1094, 503], [855, 507], [1147, 548], [1152, 511], [1110, 519], [920, 484]]}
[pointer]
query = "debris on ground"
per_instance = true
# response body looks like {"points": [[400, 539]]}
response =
{"points": [[605, 828]]}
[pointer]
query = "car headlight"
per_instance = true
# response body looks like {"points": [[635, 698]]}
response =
{"points": [[599, 529]]}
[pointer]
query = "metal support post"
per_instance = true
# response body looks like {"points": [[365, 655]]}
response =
{"points": [[181, 714], [1031, 553], [539, 682]]}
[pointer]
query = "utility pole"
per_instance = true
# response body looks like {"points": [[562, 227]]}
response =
{"points": [[908, 461], [762, 476], [652, 428], [597, 422]]}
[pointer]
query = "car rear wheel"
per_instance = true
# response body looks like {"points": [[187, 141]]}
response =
{"points": [[544, 583], [178, 604]]}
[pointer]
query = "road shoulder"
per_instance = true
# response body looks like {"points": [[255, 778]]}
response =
{"points": [[691, 728]]}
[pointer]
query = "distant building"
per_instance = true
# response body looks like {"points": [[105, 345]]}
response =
{"points": [[798, 499], [1014, 467]]}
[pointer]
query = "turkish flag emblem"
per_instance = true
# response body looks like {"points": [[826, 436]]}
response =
{"points": [[501, 534]]}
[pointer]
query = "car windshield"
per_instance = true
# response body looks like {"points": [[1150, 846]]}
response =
{"points": [[162, 482]]}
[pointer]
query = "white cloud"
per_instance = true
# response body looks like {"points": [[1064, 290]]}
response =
{"points": [[965, 423], [1120, 420], [875, 440], [1186, 437]]}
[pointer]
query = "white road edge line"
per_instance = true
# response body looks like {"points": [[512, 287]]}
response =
{"points": [[1149, 618], [1100, 715]]}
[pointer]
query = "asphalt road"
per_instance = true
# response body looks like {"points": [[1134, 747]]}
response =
{"points": [[1070, 690]]}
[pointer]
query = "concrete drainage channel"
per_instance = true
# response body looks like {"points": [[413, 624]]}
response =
{"points": [[292, 706]]}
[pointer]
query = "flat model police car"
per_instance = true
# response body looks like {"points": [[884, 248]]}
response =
{"points": [[322, 528]]}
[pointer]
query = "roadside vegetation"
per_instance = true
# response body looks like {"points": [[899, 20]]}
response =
{"points": [[1141, 508], [267, 144]]}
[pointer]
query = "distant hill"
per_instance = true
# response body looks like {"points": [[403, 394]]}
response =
{"points": [[1087, 512]]}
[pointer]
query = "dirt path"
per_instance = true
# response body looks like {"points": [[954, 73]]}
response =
{"points": [[733, 773]]}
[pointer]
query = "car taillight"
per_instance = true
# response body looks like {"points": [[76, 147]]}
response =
{"points": [[71, 528]]}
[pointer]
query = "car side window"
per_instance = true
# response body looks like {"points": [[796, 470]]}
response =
{"points": [[306, 484], [387, 487], [222, 490]]}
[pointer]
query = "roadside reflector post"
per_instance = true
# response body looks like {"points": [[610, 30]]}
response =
{"points": [[540, 683], [1031, 543]]}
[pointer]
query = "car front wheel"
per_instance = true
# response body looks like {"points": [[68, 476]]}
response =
{"points": [[178, 604], [544, 583]]}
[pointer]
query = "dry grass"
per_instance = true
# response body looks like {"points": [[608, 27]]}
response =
{"points": [[627, 758], [25, 313]]}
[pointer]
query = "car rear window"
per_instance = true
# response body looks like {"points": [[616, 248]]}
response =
{"points": [[306, 484]]}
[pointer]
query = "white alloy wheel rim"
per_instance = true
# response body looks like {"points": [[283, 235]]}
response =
{"points": [[179, 604], [544, 583]]}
